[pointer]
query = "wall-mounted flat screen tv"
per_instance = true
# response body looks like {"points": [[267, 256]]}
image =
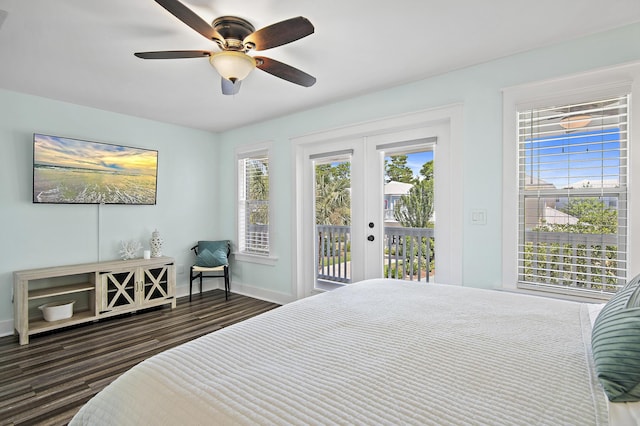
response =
{"points": [[73, 171]]}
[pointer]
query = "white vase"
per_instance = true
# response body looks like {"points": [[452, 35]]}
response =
{"points": [[156, 244]]}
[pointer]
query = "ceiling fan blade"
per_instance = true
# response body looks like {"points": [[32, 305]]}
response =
{"points": [[173, 54], [284, 71], [280, 33], [229, 87], [190, 18]]}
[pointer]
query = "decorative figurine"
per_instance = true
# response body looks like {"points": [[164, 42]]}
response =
{"points": [[129, 249], [156, 244]]}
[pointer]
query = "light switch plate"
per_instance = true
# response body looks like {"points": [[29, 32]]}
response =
{"points": [[478, 217]]}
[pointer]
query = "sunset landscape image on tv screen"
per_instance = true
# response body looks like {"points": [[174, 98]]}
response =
{"points": [[72, 171]]}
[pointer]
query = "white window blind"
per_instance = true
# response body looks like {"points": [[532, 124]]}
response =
{"points": [[573, 196], [253, 204]]}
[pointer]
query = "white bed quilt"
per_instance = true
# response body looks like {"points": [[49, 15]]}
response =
{"points": [[378, 352]]}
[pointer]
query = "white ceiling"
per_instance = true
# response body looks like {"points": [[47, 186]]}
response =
{"points": [[81, 51]]}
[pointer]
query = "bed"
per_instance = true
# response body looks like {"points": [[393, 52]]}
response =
{"points": [[376, 352]]}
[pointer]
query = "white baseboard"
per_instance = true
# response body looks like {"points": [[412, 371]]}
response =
{"points": [[6, 326], [239, 288], [262, 294]]}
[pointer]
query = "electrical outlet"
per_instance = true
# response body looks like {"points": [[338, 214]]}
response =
{"points": [[180, 269]]}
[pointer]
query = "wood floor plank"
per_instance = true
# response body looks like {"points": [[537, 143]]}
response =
{"points": [[47, 381]]}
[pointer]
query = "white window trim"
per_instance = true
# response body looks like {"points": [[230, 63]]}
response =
{"points": [[241, 152], [567, 90]]}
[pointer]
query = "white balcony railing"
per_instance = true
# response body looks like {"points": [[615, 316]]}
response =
{"points": [[334, 253], [589, 262], [550, 259], [408, 253]]}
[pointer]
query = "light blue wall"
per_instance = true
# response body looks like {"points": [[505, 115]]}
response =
{"points": [[47, 235], [192, 162], [478, 88]]}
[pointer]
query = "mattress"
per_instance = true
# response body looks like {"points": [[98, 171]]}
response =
{"points": [[377, 352]]}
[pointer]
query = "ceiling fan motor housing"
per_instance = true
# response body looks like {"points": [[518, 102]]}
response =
{"points": [[234, 30]]}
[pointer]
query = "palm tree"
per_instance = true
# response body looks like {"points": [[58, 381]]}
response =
{"points": [[258, 188], [333, 205], [333, 196]]}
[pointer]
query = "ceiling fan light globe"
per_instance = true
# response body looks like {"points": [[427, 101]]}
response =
{"points": [[232, 65], [575, 121]]}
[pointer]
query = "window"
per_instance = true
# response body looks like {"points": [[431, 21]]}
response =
{"points": [[572, 195], [253, 203]]}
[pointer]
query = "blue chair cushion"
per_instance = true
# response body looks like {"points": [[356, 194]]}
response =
{"points": [[212, 254]]}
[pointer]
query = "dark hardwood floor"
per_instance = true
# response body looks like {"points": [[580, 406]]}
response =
{"points": [[47, 381]]}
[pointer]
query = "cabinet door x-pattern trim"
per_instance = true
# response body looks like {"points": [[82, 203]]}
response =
{"points": [[124, 289], [155, 284]]}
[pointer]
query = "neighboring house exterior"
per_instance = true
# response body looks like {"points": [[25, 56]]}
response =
{"points": [[392, 192], [610, 183], [609, 201], [546, 211], [551, 216]]}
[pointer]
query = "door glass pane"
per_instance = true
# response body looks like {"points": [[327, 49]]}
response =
{"points": [[333, 222], [409, 218]]}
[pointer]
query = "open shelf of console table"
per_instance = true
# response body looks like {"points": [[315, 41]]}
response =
{"points": [[99, 290]]}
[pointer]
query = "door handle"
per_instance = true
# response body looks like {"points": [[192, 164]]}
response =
{"points": [[371, 238]]}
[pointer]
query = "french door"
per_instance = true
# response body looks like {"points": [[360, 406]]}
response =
{"points": [[334, 214], [345, 208]]}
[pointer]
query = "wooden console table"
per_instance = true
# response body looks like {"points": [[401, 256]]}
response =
{"points": [[100, 290]]}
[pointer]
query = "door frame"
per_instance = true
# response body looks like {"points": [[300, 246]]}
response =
{"points": [[449, 189]]}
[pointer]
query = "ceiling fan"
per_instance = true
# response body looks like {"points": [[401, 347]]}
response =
{"points": [[235, 37]]}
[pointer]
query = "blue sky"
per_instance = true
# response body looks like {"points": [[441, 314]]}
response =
{"points": [[576, 157]]}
